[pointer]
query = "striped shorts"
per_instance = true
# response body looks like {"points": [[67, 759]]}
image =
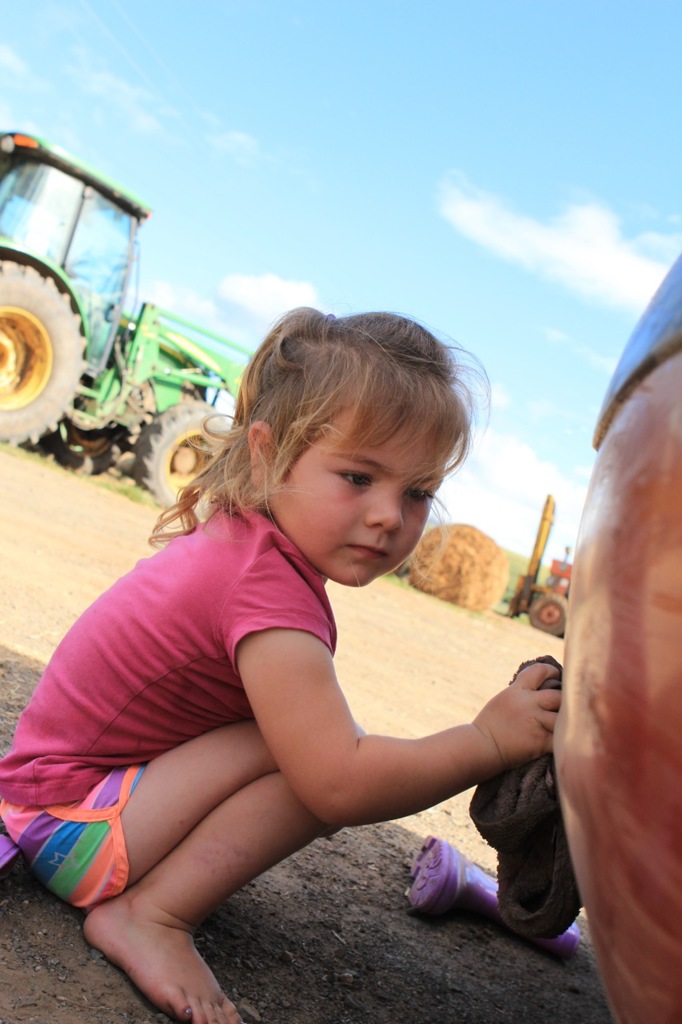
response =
{"points": [[77, 850]]}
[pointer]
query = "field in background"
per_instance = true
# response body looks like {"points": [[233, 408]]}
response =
{"points": [[118, 481]]}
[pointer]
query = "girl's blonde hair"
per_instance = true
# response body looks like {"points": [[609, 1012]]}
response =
{"points": [[389, 372]]}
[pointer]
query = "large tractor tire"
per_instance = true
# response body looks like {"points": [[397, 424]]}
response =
{"points": [[168, 452], [549, 613], [41, 354], [86, 451]]}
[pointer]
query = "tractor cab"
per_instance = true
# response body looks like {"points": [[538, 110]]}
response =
{"points": [[58, 214], [559, 578]]}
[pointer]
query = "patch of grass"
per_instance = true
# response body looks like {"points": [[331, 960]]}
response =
{"points": [[398, 581], [22, 452], [114, 480], [404, 584], [120, 484]]}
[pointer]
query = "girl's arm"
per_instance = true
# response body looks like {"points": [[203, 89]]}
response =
{"points": [[349, 779]]}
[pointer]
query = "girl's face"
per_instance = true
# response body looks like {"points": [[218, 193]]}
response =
{"points": [[355, 513]]}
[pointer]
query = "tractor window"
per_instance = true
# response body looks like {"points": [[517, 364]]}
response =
{"points": [[97, 261], [98, 255], [38, 206]]}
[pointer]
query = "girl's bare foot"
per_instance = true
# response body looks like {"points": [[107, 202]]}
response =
{"points": [[157, 953]]}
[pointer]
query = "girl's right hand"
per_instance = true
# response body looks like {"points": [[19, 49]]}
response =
{"points": [[519, 722]]}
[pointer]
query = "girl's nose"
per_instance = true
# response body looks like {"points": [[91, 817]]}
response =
{"points": [[386, 511]]}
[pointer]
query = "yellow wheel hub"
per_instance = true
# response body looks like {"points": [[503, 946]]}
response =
{"points": [[185, 459], [26, 358]]}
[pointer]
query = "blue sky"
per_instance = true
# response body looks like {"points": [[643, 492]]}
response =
{"points": [[505, 172]]}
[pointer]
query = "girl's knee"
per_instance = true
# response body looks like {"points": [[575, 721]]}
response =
{"points": [[329, 830]]}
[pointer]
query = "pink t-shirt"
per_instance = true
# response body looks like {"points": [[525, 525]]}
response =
{"points": [[151, 663]]}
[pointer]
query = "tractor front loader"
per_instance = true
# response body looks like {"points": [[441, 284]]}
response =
{"points": [[546, 605]]}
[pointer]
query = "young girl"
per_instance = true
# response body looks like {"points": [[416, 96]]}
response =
{"points": [[189, 731]]}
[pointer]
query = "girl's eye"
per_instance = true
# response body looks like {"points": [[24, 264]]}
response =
{"points": [[417, 494], [357, 479]]}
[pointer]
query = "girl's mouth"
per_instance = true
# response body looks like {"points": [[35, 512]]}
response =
{"points": [[367, 551]]}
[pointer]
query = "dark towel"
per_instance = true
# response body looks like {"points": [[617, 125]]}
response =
{"points": [[519, 814]]}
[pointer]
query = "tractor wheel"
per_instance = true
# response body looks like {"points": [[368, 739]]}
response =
{"points": [[168, 452], [549, 613], [87, 451], [41, 354]]}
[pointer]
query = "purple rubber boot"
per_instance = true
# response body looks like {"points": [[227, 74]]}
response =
{"points": [[444, 878], [9, 851]]}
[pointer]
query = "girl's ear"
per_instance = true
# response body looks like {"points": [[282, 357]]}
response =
{"points": [[260, 447]]}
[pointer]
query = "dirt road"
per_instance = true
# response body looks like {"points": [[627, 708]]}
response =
{"points": [[324, 938]]}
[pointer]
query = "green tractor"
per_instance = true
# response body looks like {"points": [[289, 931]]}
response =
{"points": [[80, 377]]}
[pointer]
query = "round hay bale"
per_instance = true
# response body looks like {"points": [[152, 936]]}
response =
{"points": [[461, 565]]}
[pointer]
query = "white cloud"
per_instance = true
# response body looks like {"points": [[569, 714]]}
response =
{"points": [[582, 248], [243, 148], [556, 337], [499, 396], [243, 308], [605, 364], [660, 247], [140, 108], [542, 408], [265, 296], [502, 488], [6, 117], [12, 62], [184, 302], [16, 75]]}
